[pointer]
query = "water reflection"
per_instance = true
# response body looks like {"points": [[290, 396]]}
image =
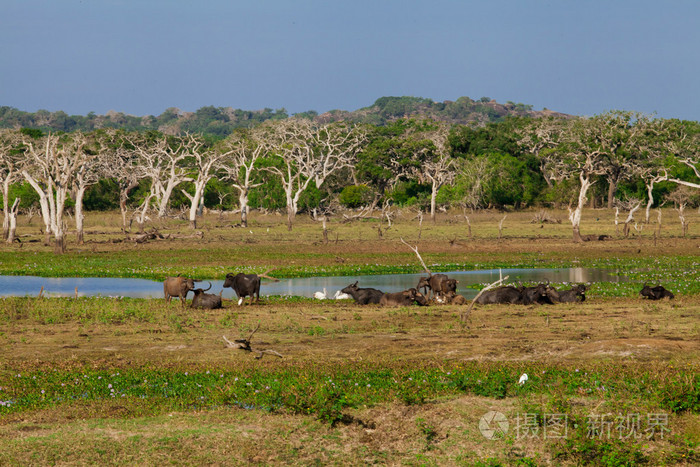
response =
{"points": [[305, 287]]}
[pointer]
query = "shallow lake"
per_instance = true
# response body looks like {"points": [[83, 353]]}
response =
{"points": [[305, 287]]}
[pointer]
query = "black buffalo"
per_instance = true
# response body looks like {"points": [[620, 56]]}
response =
{"points": [[437, 284], [245, 285], [503, 294], [539, 294], [205, 300], [405, 298], [576, 294], [363, 296], [655, 293]]}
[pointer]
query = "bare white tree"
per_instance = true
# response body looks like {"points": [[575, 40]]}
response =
{"points": [[160, 160], [310, 153], [53, 163], [624, 142], [87, 175], [680, 198], [205, 162], [242, 151], [439, 169], [649, 145], [120, 163], [10, 172], [651, 177], [686, 147], [541, 137], [582, 154], [12, 228], [631, 205]]}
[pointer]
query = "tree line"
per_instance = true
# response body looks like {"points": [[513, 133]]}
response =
{"points": [[219, 122], [297, 164]]}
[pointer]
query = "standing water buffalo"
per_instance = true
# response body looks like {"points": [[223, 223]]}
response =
{"points": [[655, 293], [206, 300], [363, 296], [405, 298], [245, 285], [437, 283], [177, 287]]}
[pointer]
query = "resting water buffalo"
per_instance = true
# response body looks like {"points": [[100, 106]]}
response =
{"points": [[206, 300], [504, 294], [405, 298], [245, 285], [575, 294], [177, 287], [539, 294], [437, 283], [655, 293], [363, 296]]}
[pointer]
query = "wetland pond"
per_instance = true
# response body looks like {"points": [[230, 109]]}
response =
{"points": [[304, 287]]}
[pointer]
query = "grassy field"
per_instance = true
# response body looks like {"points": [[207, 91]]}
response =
{"points": [[611, 381]]}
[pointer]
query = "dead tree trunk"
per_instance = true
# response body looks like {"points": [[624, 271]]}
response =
{"points": [[465, 314], [12, 221], [500, 226]]}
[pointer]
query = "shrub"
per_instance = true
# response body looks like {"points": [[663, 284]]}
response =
{"points": [[354, 196]]}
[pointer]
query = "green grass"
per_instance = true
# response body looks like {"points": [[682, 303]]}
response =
{"points": [[326, 390], [123, 381]]}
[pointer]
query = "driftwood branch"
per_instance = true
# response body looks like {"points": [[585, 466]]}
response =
{"points": [[264, 274], [415, 250], [244, 344], [465, 314], [144, 237], [254, 331], [364, 214], [198, 234], [261, 353], [241, 344]]}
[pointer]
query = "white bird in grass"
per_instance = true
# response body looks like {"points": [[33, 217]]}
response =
{"points": [[523, 378], [341, 296], [321, 295]]}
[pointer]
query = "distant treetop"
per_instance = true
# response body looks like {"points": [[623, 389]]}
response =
{"points": [[219, 122]]}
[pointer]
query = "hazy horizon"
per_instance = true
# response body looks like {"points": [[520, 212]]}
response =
{"points": [[141, 58]]}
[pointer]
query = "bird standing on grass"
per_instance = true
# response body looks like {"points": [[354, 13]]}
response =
{"points": [[321, 295]]}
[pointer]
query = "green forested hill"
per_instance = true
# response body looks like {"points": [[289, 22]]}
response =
{"points": [[221, 121]]}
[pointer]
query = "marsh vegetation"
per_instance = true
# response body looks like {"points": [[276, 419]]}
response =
{"points": [[108, 380]]}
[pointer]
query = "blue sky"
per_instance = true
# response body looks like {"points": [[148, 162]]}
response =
{"points": [[143, 56]]}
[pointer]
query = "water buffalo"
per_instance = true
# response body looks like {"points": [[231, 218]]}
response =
{"points": [[177, 287], [405, 298], [206, 300], [539, 294], [437, 283], [655, 293], [245, 285], [363, 296], [575, 294], [503, 294]]}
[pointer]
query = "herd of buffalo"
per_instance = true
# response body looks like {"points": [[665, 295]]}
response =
{"points": [[437, 288]]}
